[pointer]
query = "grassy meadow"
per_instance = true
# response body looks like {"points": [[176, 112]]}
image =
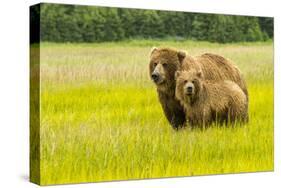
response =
{"points": [[101, 119]]}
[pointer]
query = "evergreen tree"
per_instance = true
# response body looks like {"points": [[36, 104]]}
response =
{"points": [[174, 23], [113, 26], [93, 25], [201, 26], [251, 29], [224, 29], [266, 25], [128, 19], [188, 21], [149, 24], [48, 26]]}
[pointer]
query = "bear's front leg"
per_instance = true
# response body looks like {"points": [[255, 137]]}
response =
{"points": [[173, 111]]}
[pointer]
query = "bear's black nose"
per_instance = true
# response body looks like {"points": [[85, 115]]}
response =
{"points": [[189, 89], [155, 77]]}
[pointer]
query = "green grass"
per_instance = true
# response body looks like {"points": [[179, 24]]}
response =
{"points": [[101, 119]]}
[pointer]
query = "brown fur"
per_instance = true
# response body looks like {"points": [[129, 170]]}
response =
{"points": [[166, 89], [210, 101], [214, 67]]}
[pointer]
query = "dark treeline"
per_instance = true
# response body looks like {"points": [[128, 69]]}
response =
{"points": [[71, 23]]}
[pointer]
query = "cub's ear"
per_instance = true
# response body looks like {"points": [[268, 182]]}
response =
{"points": [[153, 49], [200, 74], [181, 55], [177, 74]]}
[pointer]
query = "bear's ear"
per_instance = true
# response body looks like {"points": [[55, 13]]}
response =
{"points": [[181, 55], [200, 74], [153, 49], [177, 74]]}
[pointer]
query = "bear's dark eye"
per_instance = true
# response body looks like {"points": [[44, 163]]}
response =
{"points": [[154, 64], [185, 81], [193, 81], [164, 64]]}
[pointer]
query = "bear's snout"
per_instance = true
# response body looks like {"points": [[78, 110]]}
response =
{"points": [[189, 89], [155, 76]]}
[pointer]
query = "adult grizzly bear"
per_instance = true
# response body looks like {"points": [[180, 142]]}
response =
{"points": [[208, 101], [163, 65], [164, 62]]}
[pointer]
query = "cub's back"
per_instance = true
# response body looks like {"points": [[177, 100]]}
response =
{"points": [[221, 93], [235, 92]]}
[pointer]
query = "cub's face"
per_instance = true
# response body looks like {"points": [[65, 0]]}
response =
{"points": [[164, 63], [188, 85]]}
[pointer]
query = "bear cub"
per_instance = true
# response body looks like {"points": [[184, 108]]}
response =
{"points": [[206, 101]]}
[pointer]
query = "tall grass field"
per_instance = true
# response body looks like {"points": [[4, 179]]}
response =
{"points": [[100, 119]]}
